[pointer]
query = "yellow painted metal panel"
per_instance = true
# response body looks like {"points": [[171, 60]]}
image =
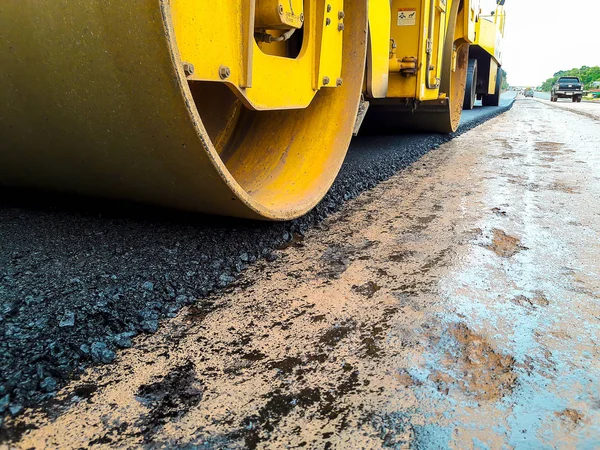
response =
{"points": [[275, 14], [493, 77], [470, 21], [329, 38], [210, 37], [486, 34], [490, 33], [378, 62], [410, 42]]}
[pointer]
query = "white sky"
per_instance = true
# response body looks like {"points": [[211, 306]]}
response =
{"points": [[545, 36]]}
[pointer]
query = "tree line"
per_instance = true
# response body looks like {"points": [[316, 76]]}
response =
{"points": [[586, 74], [505, 85]]}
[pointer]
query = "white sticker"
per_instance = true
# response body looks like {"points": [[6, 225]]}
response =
{"points": [[407, 17]]}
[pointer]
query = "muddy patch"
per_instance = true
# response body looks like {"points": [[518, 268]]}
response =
{"points": [[504, 142], [368, 289], [562, 187], [336, 259], [539, 299], [169, 398], [334, 335], [323, 402], [505, 245], [198, 312], [510, 155], [475, 367], [545, 146], [400, 257], [571, 417], [257, 428], [438, 260], [286, 365]]}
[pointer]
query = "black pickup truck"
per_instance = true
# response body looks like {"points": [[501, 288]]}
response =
{"points": [[567, 87]]}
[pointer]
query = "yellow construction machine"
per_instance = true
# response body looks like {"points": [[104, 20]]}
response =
{"points": [[233, 107]]}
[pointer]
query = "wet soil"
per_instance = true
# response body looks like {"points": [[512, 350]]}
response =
{"points": [[456, 305], [505, 245]]}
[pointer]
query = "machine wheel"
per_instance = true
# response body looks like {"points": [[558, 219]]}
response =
{"points": [[579, 99], [390, 116], [107, 115], [494, 99], [471, 85], [574, 100]]}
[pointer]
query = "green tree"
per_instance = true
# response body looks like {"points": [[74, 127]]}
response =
{"points": [[504, 79]]}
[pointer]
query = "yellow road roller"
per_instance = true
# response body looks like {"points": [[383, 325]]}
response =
{"points": [[233, 107]]}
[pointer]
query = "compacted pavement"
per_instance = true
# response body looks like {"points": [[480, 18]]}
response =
{"points": [[456, 304]]}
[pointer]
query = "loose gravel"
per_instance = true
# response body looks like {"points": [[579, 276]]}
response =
{"points": [[80, 279]]}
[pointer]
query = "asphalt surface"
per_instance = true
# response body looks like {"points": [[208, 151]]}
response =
{"points": [[455, 305], [79, 279]]}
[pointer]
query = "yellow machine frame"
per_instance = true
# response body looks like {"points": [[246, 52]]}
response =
{"points": [[238, 107], [266, 81]]}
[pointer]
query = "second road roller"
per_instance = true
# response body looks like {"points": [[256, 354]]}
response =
{"points": [[233, 107]]}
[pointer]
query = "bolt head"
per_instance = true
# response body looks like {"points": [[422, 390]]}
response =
{"points": [[328, 21], [188, 69], [341, 27], [339, 82], [281, 10], [224, 72], [302, 17], [341, 15], [326, 80], [328, 8]]}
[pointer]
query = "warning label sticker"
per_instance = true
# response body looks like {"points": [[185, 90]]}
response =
{"points": [[407, 17]]}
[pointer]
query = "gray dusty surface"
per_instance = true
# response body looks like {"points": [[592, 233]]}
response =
{"points": [[546, 96], [455, 305], [79, 279], [589, 109]]}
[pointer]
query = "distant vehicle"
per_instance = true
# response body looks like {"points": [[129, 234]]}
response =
{"points": [[567, 87], [528, 93]]}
